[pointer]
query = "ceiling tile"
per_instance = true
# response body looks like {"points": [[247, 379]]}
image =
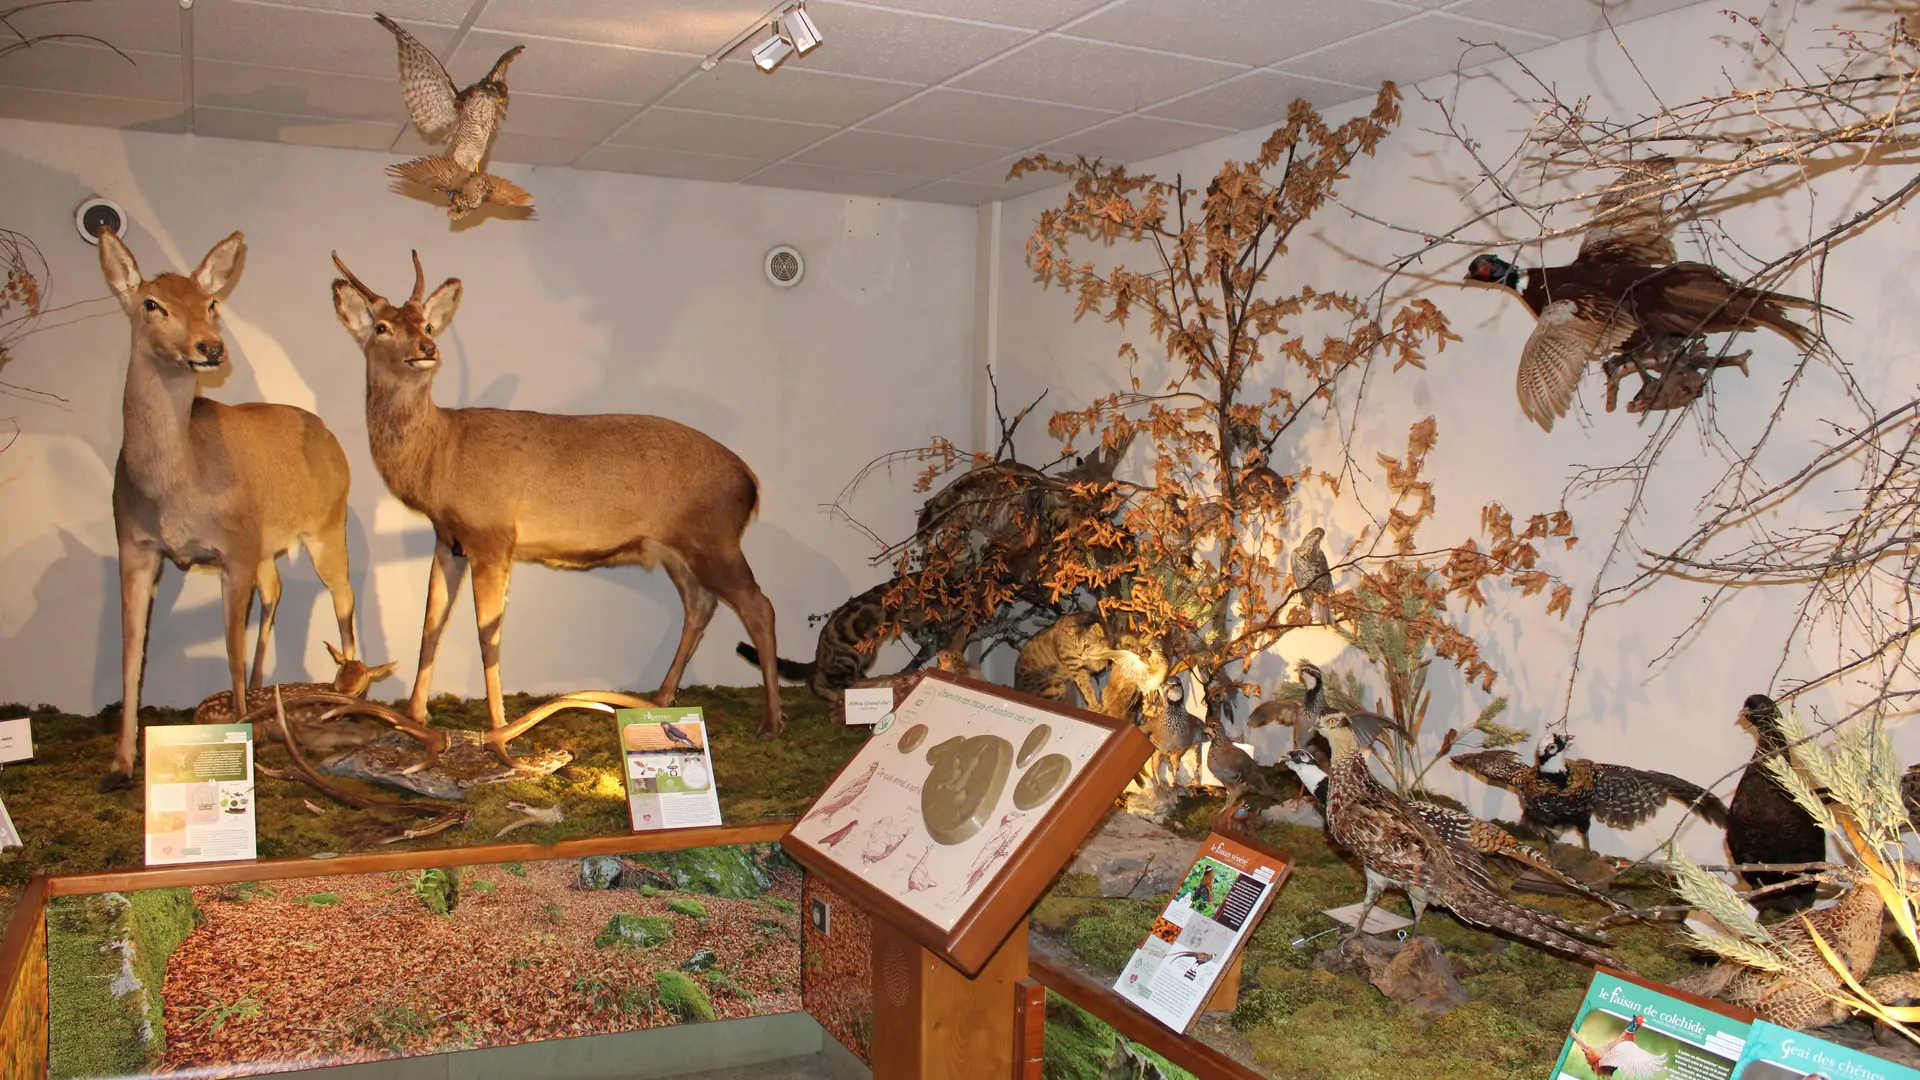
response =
{"points": [[302, 38], [787, 174], [573, 69], [1241, 31], [564, 118], [1565, 18], [984, 118], [670, 25], [790, 93], [1408, 52], [956, 191], [675, 163], [301, 130], [90, 69], [877, 151], [1256, 99], [448, 12], [57, 108], [717, 133], [1094, 74], [1032, 14], [142, 25], [537, 149], [897, 45], [225, 84], [1136, 138]]}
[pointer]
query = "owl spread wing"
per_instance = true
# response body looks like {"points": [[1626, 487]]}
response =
{"points": [[1501, 767], [442, 174], [1629, 225], [1569, 335], [424, 83], [480, 116], [507, 193]]}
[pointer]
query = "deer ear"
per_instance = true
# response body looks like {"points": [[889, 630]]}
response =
{"points": [[353, 310], [121, 272], [220, 270], [338, 656], [383, 671], [440, 307]]}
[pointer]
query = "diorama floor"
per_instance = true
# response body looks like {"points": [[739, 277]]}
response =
{"points": [[1300, 1022], [69, 827]]}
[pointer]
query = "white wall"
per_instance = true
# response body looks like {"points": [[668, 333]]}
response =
{"points": [[625, 294], [1629, 706]]}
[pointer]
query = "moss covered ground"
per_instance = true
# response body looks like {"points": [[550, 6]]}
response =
{"points": [[1299, 1022], [106, 960], [69, 827]]}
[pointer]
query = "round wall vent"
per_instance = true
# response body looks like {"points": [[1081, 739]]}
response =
{"points": [[96, 214], [784, 266]]}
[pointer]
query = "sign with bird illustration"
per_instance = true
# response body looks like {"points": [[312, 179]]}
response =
{"points": [[668, 767], [1626, 1029]]}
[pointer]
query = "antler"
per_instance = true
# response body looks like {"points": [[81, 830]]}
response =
{"points": [[419, 280], [358, 285]]}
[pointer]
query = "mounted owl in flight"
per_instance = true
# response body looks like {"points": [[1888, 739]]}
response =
{"points": [[472, 116]]}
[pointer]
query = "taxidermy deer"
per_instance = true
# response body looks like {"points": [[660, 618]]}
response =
{"points": [[304, 708], [570, 492], [198, 482]]}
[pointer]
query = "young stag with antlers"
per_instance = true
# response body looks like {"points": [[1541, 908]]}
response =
{"points": [[570, 492], [202, 482]]}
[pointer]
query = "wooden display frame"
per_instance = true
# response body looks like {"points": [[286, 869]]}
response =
{"points": [[1004, 900]]}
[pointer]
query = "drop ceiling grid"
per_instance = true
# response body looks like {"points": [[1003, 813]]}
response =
{"points": [[927, 98]]}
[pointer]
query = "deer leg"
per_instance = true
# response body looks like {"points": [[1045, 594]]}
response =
{"points": [[237, 580], [697, 603], [139, 572], [443, 580], [268, 582], [731, 577], [329, 556], [490, 577]]}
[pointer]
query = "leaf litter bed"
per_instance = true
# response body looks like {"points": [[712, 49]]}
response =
{"points": [[328, 971]]}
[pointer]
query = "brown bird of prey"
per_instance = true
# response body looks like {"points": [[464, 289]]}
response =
{"points": [[471, 116], [1625, 293], [1312, 576]]}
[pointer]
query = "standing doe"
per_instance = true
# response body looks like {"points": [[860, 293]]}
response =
{"points": [[570, 492], [199, 482]]}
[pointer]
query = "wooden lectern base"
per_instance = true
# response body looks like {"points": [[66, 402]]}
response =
{"points": [[932, 1023]]}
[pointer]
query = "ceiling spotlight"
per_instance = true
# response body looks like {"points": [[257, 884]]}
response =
{"points": [[768, 54], [801, 30]]}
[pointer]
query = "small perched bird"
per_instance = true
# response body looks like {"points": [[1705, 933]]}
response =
{"points": [[1312, 577], [1460, 828], [1764, 824], [1624, 292], [678, 737], [1622, 1057], [1559, 793], [472, 117], [1175, 731], [1805, 994], [1397, 848]]}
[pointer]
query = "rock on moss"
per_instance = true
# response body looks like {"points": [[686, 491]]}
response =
{"points": [[700, 961], [717, 871], [642, 931], [107, 956], [682, 997], [598, 872], [693, 909]]}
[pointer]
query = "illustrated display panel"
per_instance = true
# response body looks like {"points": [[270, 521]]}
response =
{"points": [[932, 806], [258, 977]]}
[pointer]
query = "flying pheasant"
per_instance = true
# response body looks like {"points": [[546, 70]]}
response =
{"points": [[1623, 1058], [1625, 293], [472, 117]]}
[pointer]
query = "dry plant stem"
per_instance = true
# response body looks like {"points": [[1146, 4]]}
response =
{"points": [[1636, 914]]}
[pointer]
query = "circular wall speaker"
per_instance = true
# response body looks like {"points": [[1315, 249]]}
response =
{"points": [[784, 266], [96, 214]]}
